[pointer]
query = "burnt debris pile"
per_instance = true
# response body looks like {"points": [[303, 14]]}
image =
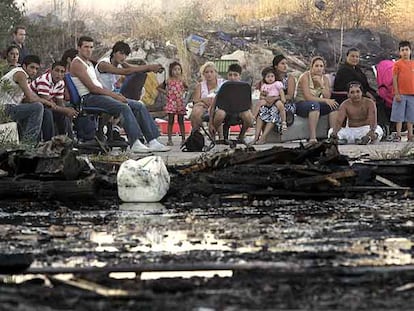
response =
{"points": [[318, 171], [50, 171]]}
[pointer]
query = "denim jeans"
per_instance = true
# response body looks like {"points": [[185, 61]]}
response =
{"points": [[137, 121], [55, 123], [63, 124], [145, 121], [133, 84], [48, 127], [304, 107], [29, 117]]}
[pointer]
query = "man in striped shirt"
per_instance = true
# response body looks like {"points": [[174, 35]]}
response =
{"points": [[50, 86]]}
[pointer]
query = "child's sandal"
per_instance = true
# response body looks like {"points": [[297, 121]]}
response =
{"points": [[284, 127]]}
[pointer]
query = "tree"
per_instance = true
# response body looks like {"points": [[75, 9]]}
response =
{"points": [[50, 36], [346, 13], [10, 16]]}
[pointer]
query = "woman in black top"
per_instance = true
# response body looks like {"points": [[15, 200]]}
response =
{"points": [[348, 72]]}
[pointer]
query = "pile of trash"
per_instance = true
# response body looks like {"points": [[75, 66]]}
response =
{"points": [[255, 46]]}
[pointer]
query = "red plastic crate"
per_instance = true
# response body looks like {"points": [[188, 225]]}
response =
{"points": [[163, 125]]}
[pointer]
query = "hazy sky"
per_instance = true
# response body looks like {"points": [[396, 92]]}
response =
{"points": [[36, 5]]}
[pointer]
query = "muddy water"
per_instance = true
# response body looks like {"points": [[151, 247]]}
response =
{"points": [[306, 240], [347, 232]]}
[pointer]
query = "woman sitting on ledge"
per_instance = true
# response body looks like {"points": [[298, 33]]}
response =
{"points": [[204, 94], [313, 96], [351, 71]]}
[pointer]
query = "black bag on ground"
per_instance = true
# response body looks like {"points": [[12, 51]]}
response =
{"points": [[85, 127], [194, 142]]}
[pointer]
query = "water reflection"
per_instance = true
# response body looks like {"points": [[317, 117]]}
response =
{"points": [[178, 241], [144, 208], [337, 232], [186, 274], [390, 251], [104, 240]]}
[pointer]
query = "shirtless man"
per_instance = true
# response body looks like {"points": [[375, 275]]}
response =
{"points": [[361, 113]]}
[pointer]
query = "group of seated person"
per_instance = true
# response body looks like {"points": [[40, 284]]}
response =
{"points": [[40, 110], [350, 104], [37, 103]]}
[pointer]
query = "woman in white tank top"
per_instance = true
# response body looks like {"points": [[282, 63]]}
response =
{"points": [[204, 94]]}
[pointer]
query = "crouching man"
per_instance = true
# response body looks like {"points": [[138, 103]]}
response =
{"points": [[361, 115]]}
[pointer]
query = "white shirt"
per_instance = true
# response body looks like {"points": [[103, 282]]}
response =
{"points": [[108, 80], [82, 89], [10, 92]]}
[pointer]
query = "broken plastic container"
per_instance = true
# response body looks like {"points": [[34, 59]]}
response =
{"points": [[145, 180]]}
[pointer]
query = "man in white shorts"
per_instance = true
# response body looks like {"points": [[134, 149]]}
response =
{"points": [[361, 112]]}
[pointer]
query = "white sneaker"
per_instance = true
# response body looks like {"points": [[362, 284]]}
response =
{"points": [[155, 145], [139, 147]]}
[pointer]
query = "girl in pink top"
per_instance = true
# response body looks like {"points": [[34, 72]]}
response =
{"points": [[174, 88], [271, 106]]}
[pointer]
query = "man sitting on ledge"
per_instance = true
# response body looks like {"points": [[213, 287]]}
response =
{"points": [[361, 112]]}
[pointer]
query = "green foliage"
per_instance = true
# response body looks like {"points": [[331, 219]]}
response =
{"points": [[3, 67], [10, 16], [49, 37], [4, 87], [4, 118]]}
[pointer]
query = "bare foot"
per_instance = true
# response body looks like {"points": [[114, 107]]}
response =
{"points": [[170, 143], [312, 141], [252, 142], [260, 142]]}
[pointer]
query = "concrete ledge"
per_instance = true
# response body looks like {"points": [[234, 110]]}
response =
{"points": [[299, 130]]}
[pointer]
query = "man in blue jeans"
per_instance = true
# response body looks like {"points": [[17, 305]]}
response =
{"points": [[137, 124], [50, 86], [117, 75], [13, 89]]}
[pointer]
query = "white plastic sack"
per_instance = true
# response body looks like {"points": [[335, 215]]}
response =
{"points": [[145, 180]]}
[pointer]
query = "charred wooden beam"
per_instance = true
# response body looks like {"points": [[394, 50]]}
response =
{"points": [[281, 267], [43, 190], [302, 182]]}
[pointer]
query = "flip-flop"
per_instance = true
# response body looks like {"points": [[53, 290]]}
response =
{"points": [[364, 140]]}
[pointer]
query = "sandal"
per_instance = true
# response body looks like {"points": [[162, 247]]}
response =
{"points": [[364, 140], [396, 139], [284, 127]]}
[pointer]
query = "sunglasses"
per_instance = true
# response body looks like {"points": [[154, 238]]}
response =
{"points": [[355, 85]]}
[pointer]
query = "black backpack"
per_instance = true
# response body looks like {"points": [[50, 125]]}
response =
{"points": [[194, 143]]}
